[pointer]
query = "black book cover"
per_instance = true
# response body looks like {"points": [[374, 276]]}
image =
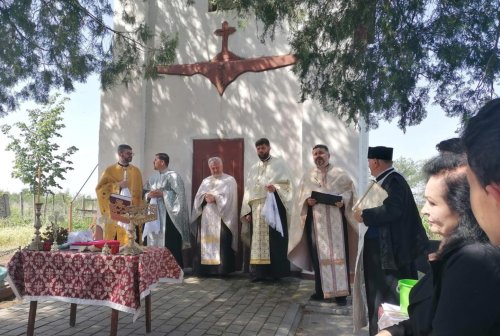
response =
{"points": [[326, 198]]}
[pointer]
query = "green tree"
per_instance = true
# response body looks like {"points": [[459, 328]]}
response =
{"points": [[35, 149], [369, 59], [52, 44], [385, 59], [412, 171]]}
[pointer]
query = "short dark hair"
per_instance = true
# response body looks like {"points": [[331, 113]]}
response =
{"points": [[262, 141], [445, 162], [481, 137], [123, 147], [457, 197], [453, 145], [321, 146], [164, 157]]}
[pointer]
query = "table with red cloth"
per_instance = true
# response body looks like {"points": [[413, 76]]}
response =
{"points": [[116, 281]]}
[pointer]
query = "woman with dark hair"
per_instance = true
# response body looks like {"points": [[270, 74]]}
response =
{"points": [[460, 295]]}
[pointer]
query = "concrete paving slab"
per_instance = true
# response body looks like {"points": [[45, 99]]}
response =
{"points": [[201, 306]]}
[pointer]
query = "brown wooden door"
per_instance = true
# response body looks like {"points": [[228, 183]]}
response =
{"points": [[231, 151]]}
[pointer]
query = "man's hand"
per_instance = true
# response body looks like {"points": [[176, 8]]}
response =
{"points": [[209, 198], [248, 218], [339, 204], [384, 333], [155, 193], [311, 201], [270, 188], [123, 184], [358, 215]]}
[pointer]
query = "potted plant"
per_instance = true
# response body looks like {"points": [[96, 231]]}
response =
{"points": [[48, 236]]}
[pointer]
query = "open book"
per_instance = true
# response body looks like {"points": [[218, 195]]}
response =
{"points": [[117, 205]]}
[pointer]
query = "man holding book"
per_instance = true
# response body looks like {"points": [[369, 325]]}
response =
{"points": [[323, 233], [395, 237], [119, 178]]}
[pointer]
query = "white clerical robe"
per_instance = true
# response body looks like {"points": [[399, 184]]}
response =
{"points": [[224, 211], [173, 202], [328, 230], [261, 174]]}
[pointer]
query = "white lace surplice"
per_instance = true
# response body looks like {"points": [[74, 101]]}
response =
{"points": [[224, 210]]}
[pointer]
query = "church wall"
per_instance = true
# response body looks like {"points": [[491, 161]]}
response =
{"points": [[167, 114], [319, 127], [123, 111]]}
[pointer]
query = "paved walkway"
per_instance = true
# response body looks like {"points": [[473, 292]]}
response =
{"points": [[208, 306]]}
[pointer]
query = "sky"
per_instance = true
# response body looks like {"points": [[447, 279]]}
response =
{"points": [[81, 118], [419, 142]]}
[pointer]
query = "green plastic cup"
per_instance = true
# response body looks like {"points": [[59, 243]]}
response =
{"points": [[404, 287]]}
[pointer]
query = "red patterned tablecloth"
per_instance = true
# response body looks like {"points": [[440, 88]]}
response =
{"points": [[116, 281]]}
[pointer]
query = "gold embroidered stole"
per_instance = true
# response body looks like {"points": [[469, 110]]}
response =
{"points": [[259, 253], [330, 245], [210, 235]]}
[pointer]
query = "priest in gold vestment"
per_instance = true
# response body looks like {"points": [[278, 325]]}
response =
{"points": [[269, 177], [115, 179], [324, 237]]}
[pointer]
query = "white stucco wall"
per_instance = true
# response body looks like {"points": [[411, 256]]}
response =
{"points": [[167, 114]]}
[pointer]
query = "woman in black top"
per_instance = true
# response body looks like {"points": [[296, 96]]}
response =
{"points": [[461, 294]]}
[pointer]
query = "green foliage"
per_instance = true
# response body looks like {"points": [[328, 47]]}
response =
{"points": [[362, 59], [62, 235], [412, 171], [17, 230], [36, 152], [379, 60], [52, 44]]}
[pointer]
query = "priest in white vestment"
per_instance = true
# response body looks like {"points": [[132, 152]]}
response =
{"points": [[215, 222], [165, 188], [267, 236], [324, 237]]}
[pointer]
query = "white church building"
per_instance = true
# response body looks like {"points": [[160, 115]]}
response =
{"points": [[187, 117]]}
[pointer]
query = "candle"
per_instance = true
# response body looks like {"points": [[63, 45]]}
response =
{"points": [[39, 185], [54, 230]]}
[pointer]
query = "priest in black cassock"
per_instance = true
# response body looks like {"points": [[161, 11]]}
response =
{"points": [[395, 237]]}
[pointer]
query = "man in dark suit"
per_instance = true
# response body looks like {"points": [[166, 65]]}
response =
{"points": [[395, 236]]}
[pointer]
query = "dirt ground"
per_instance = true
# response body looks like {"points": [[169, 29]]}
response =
{"points": [[5, 259]]}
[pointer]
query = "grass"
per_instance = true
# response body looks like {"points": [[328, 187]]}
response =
{"points": [[16, 231], [13, 237]]}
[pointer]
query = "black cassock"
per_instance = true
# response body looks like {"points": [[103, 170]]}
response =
{"points": [[392, 244]]}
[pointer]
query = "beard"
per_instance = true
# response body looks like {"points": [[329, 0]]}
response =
{"points": [[263, 156], [320, 162]]}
